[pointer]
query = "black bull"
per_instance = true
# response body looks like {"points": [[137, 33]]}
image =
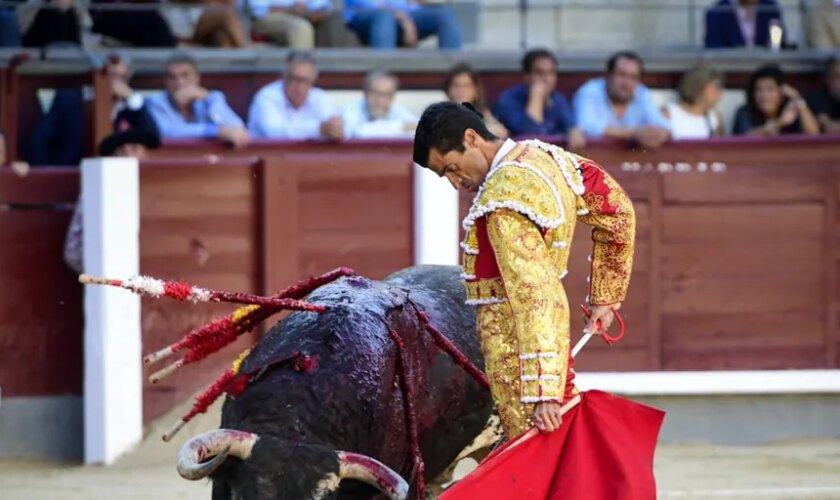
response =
{"points": [[336, 389]]}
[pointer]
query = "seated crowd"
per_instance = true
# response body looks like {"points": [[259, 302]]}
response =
{"points": [[616, 106]]}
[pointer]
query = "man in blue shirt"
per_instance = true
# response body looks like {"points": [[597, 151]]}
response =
{"points": [[620, 107], [535, 107], [293, 108], [384, 24], [188, 110]]}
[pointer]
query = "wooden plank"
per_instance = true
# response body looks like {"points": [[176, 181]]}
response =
{"points": [[280, 225], [830, 275], [354, 213], [205, 233], [103, 103], [698, 260], [740, 222], [614, 358], [41, 309], [43, 185], [703, 332], [745, 185], [655, 274], [755, 358], [741, 294]]}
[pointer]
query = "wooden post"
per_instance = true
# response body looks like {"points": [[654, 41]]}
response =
{"points": [[657, 193], [102, 105], [9, 104], [832, 191], [279, 219]]}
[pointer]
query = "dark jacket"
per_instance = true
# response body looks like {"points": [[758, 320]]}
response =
{"points": [[724, 31]]}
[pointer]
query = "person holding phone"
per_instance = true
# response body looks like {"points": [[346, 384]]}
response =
{"points": [[773, 107]]}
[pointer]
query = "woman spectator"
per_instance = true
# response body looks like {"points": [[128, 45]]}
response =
{"points": [[462, 84], [694, 116], [773, 107]]}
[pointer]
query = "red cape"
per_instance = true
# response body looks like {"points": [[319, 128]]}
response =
{"points": [[603, 451]]}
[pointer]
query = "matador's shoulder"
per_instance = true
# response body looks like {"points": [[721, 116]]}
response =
{"points": [[528, 180]]}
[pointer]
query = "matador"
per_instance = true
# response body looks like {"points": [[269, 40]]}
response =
{"points": [[528, 197]]}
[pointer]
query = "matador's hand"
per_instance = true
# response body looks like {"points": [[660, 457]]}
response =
{"points": [[603, 313], [548, 416]]}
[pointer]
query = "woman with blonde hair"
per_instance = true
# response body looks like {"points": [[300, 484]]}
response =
{"points": [[463, 84], [695, 115]]}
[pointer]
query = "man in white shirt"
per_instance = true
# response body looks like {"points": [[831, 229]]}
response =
{"points": [[376, 115], [292, 108], [290, 22]]}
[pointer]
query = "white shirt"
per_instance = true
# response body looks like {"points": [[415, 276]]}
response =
{"points": [[358, 124], [272, 116], [685, 125], [503, 151]]}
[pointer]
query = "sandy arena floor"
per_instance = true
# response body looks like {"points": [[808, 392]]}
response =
{"points": [[794, 470]]}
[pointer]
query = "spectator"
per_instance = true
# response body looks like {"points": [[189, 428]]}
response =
{"points": [[384, 24], [290, 22], [56, 22], [823, 23], [291, 108], [825, 102], [188, 110], [9, 28], [536, 107], [208, 23], [129, 110], [58, 138], [695, 115], [742, 23], [463, 85], [376, 115], [140, 28], [619, 106], [773, 107]]}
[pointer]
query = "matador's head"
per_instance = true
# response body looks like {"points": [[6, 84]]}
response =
{"points": [[453, 141]]}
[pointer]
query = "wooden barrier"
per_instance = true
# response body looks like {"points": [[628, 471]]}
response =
{"points": [[40, 307], [736, 252]]}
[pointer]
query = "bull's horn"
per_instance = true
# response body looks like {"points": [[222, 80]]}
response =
{"points": [[215, 445], [371, 471]]}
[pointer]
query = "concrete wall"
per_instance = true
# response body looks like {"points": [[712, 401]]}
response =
{"points": [[747, 420], [604, 24], [38, 427]]}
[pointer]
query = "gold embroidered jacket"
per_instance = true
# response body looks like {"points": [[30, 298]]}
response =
{"points": [[516, 249]]}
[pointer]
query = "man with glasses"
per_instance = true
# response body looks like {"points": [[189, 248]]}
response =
{"points": [[535, 107], [620, 107], [376, 115], [292, 108], [188, 110]]}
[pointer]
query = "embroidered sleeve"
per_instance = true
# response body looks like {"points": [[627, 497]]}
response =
{"points": [[533, 292], [610, 210]]}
